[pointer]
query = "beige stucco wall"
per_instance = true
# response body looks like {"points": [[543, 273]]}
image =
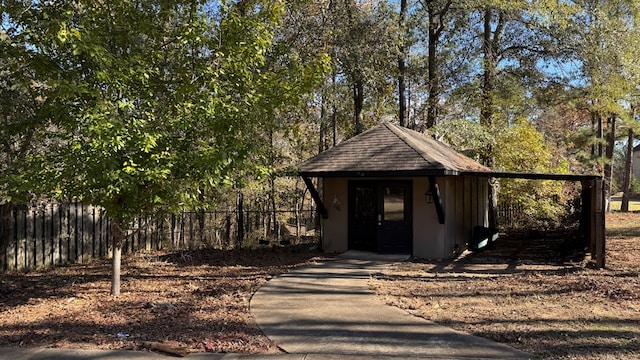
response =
{"points": [[428, 233], [464, 202], [335, 229]]}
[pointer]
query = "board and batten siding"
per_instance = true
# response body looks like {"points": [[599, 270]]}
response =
{"points": [[467, 200], [636, 164], [464, 199]]}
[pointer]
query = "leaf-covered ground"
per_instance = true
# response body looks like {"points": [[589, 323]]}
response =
{"points": [[198, 300], [554, 310]]}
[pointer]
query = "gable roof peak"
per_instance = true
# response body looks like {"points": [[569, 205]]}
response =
{"points": [[390, 149]]}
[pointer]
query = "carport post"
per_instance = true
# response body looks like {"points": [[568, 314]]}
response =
{"points": [[598, 243], [586, 218]]}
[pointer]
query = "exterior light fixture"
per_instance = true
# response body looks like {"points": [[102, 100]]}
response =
{"points": [[428, 197]]}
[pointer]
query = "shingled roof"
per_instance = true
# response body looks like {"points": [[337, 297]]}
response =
{"points": [[390, 150]]}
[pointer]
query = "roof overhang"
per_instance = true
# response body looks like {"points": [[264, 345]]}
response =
{"points": [[442, 172], [377, 174], [538, 176]]}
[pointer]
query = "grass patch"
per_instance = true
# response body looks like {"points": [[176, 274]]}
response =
{"points": [[634, 205]]}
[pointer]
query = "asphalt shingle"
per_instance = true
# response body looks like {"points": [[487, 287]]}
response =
{"points": [[390, 148]]}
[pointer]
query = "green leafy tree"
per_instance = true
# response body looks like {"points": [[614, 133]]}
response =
{"points": [[467, 137], [163, 101], [363, 48], [524, 150], [27, 107], [603, 39]]}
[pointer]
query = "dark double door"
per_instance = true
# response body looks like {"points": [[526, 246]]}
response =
{"points": [[380, 216]]}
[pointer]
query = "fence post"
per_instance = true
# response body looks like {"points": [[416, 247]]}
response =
{"points": [[6, 227], [75, 237], [173, 226], [34, 240], [181, 235], [44, 235], [240, 220]]}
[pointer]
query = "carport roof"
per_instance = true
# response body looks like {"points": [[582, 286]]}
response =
{"points": [[390, 150]]}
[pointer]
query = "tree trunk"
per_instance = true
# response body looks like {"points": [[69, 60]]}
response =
{"points": [[321, 138], [272, 184], [118, 240], [628, 165], [334, 115], [489, 65], [486, 111], [402, 88], [358, 102], [432, 76], [493, 203], [436, 26], [594, 130], [608, 165], [402, 101], [323, 124], [201, 218], [334, 125], [600, 135]]}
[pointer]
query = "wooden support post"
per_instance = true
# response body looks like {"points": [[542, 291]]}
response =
{"points": [[596, 224], [599, 224], [586, 218], [437, 200], [316, 197]]}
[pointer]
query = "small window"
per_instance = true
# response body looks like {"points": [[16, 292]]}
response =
{"points": [[393, 203]]}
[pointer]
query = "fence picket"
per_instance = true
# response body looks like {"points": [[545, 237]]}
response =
{"points": [[74, 233]]}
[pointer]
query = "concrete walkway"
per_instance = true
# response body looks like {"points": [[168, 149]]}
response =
{"points": [[78, 354], [329, 309]]}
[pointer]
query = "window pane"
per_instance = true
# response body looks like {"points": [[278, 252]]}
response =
{"points": [[394, 203]]}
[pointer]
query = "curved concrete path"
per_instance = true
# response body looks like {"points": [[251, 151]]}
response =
{"points": [[329, 309]]}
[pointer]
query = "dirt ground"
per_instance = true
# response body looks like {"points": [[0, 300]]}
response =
{"points": [[197, 301], [555, 310]]}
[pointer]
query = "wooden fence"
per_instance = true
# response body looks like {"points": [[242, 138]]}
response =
{"points": [[56, 234], [510, 215]]}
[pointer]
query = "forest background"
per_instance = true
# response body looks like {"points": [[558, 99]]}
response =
{"points": [[144, 107]]}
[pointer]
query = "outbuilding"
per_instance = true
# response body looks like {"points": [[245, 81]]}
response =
{"points": [[395, 190]]}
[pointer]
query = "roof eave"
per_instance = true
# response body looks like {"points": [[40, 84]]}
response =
{"points": [[447, 172], [377, 173], [535, 176]]}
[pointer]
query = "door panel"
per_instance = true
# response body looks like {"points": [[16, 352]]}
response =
{"points": [[380, 216], [395, 228], [363, 216]]}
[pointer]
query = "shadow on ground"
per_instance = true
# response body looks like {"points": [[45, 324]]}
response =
{"points": [[532, 294]]}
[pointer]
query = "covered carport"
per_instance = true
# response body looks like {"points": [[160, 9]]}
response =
{"points": [[592, 217]]}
